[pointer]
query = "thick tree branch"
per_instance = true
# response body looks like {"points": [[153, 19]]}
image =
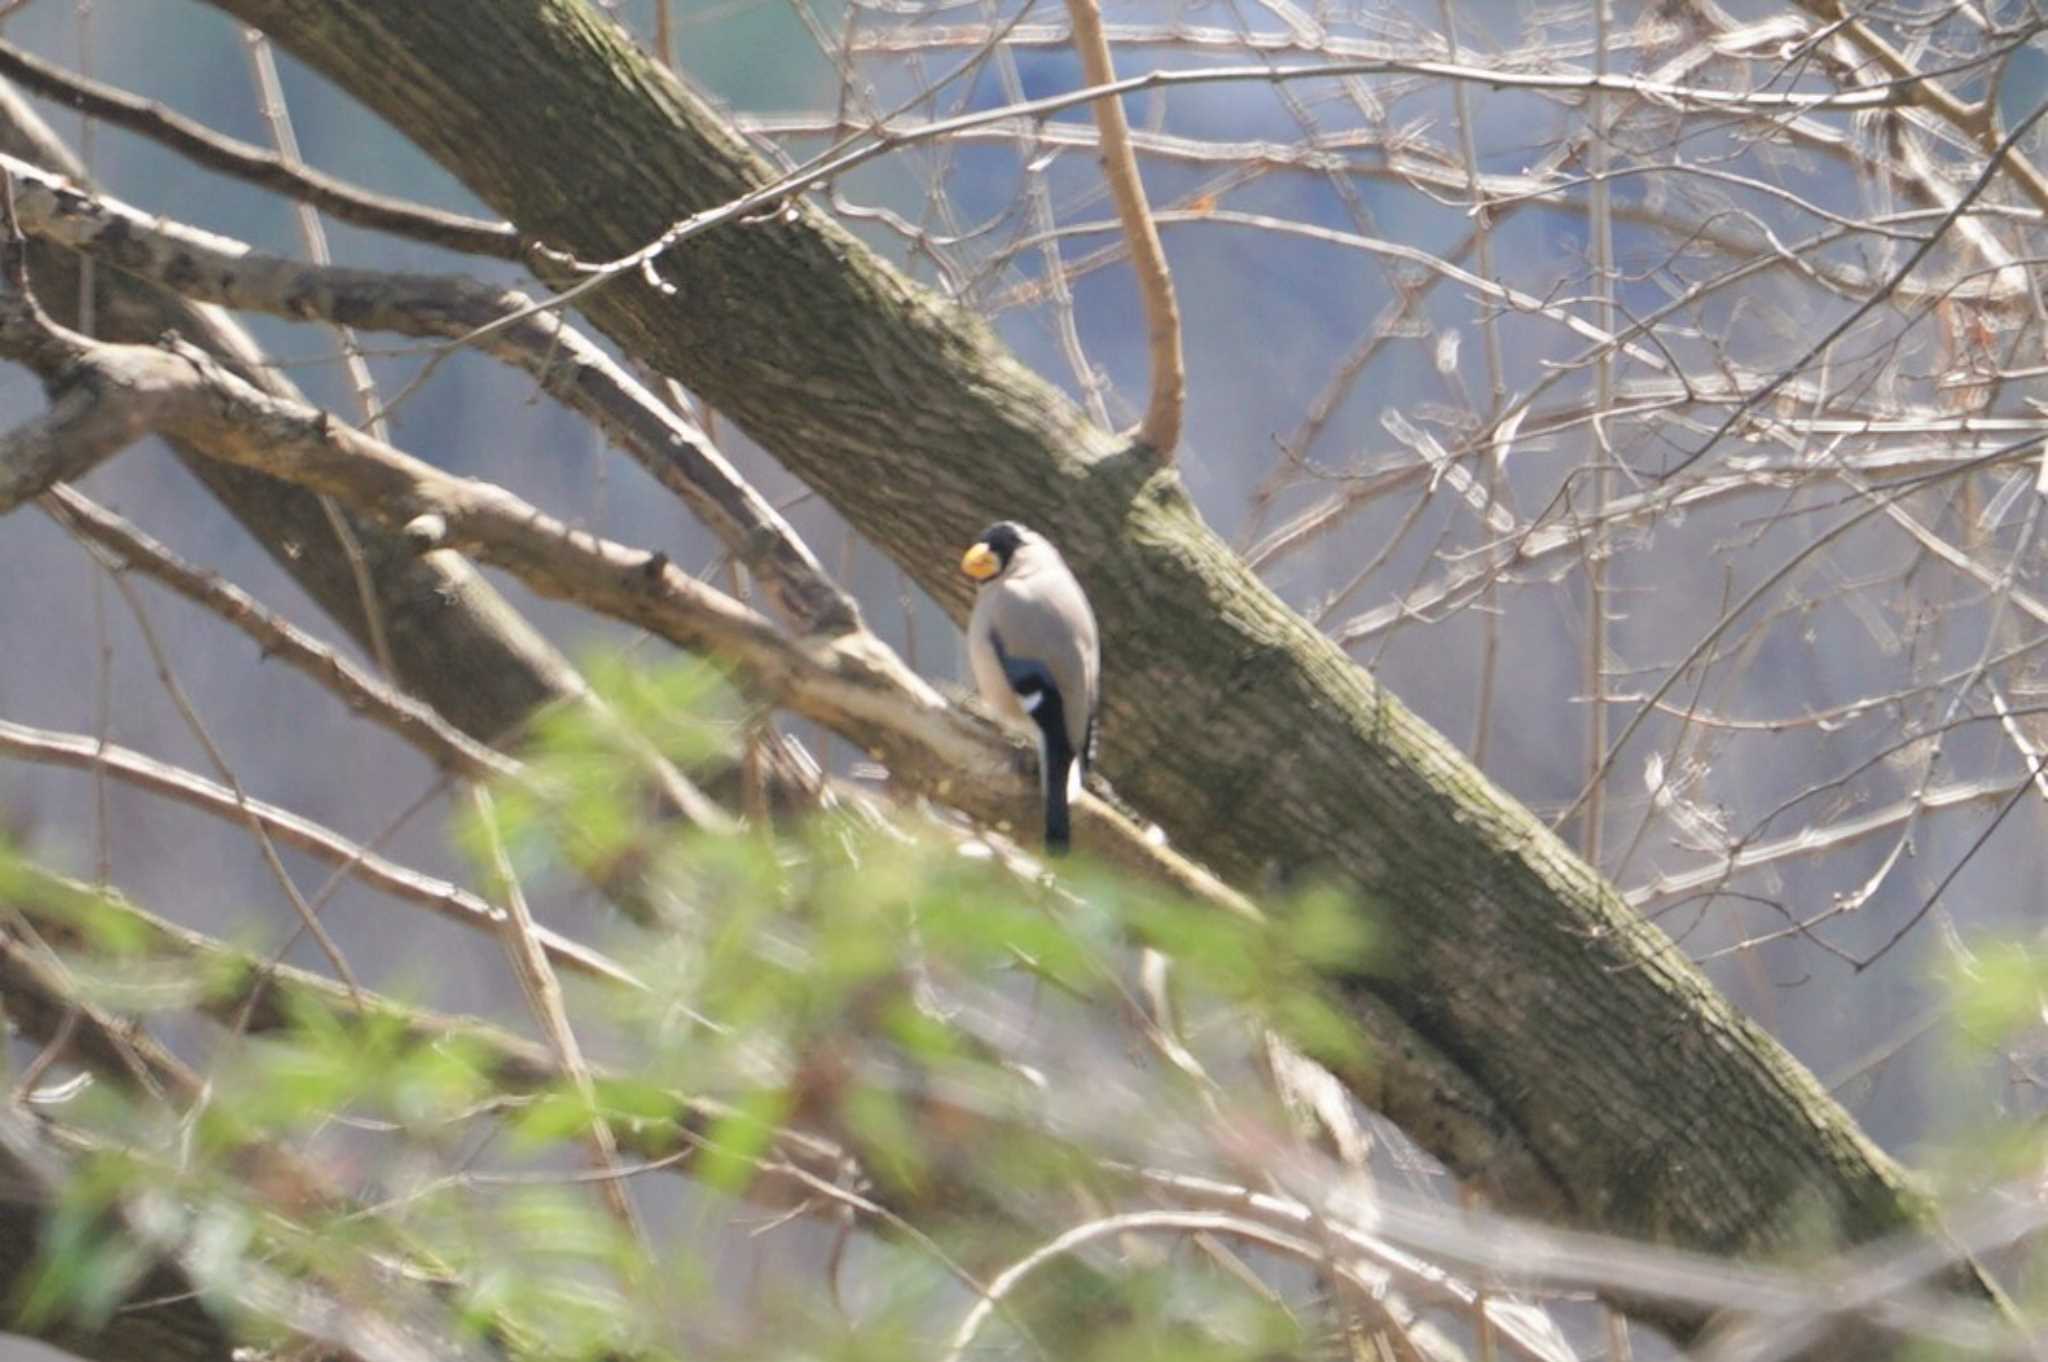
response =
{"points": [[69, 440], [365, 694], [370, 696], [852, 683], [411, 720]]}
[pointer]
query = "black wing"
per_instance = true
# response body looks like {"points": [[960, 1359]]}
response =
{"points": [[1039, 694]]}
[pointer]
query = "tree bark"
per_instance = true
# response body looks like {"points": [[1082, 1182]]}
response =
{"points": [[1653, 1109]]}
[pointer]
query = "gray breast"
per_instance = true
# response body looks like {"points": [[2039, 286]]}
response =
{"points": [[1040, 614]]}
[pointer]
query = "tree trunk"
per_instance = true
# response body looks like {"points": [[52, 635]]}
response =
{"points": [[1651, 1109]]}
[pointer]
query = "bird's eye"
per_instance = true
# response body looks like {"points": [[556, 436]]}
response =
{"points": [[1031, 699]]}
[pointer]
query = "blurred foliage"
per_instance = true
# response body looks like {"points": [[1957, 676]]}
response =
{"points": [[1999, 992], [1997, 1041], [963, 1031]]}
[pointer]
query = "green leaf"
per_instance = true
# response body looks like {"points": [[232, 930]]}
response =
{"points": [[738, 1139], [437, 1082], [554, 1116], [1326, 928], [85, 1264], [2001, 991]]}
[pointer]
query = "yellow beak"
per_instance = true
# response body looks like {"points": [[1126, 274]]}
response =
{"points": [[980, 563]]}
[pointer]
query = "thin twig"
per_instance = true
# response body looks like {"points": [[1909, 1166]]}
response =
{"points": [[1594, 546], [1057, 278], [277, 116], [80, 751], [167, 677], [839, 160], [1834, 333], [1878, 503], [544, 996]]}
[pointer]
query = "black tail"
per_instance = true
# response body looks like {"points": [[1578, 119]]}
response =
{"points": [[1059, 834], [1056, 758]]}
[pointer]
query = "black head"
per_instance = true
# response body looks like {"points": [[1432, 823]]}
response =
{"points": [[1003, 538], [990, 557]]}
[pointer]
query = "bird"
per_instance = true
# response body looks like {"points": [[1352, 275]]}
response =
{"points": [[1033, 649]]}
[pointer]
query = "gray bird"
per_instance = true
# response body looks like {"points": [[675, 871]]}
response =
{"points": [[1031, 642]]}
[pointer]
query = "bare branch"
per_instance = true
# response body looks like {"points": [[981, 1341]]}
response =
{"points": [[1160, 429], [76, 434], [365, 694], [851, 683], [202, 145], [1841, 328], [1819, 839], [84, 753]]}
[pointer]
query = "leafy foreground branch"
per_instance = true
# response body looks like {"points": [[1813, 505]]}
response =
{"points": [[788, 981], [847, 1031]]}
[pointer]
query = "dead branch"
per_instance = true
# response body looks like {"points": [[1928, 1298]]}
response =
{"points": [[203, 146], [1159, 431], [84, 753], [363, 693]]}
